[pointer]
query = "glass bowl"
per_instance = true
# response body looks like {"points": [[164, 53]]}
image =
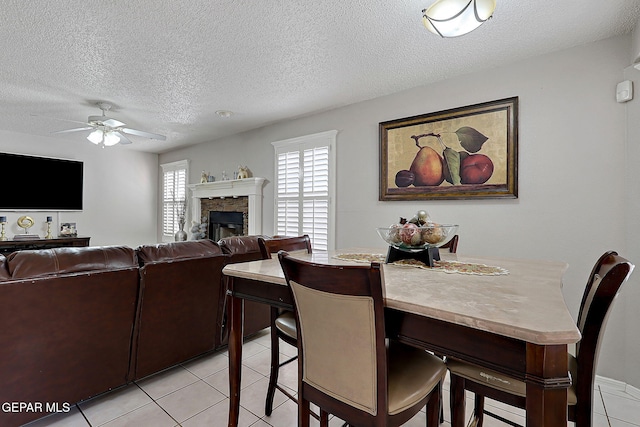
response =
{"points": [[414, 239]]}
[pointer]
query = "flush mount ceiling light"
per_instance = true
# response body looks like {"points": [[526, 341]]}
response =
{"points": [[452, 18], [225, 114]]}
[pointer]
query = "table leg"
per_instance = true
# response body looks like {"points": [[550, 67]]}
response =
{"points": [[235, 357], [547, 382]]}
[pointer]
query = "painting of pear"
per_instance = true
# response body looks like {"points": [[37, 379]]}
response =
{"points": [[427, 167]]}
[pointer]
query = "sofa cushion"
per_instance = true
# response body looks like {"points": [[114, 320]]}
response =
{"points": [[4, 271], [47, 262], [242, 248], [163, 252]]}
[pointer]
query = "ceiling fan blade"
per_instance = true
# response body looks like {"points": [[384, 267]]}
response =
{"points": [[74, 130], [142, 133], [113, 123], [123, 138], [59, 119]]}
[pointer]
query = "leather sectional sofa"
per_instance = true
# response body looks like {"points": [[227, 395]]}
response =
{"points": [[78, 322]]}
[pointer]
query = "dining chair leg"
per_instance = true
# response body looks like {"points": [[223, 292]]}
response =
{"points": [[457, 401], [275, 364], [478, 410], [304, 413], [434, 407], [324, 418]]}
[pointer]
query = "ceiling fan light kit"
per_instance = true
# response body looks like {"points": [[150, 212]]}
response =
{"points": [[452, 18], [107, 132]]}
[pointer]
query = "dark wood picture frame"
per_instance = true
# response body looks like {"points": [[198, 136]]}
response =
{"points": [[472, 153]]}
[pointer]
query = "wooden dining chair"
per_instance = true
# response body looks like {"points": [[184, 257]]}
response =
{"points": [[283, 322], [346, 365], [605, 281], [452, 244]]}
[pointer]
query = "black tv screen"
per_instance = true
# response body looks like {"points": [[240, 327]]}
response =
{"points": [[40, 183]]}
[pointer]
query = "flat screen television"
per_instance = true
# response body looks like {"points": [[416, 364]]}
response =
{"points": [[33, 183]]}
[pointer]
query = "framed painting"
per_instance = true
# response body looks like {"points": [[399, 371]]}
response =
{"points": [[464, 153]]}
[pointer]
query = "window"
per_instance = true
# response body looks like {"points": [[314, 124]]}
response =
{"points": [[305, 188], [174, 196]]}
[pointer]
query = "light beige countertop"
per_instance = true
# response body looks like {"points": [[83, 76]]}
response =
{"points": [[526, 304]]}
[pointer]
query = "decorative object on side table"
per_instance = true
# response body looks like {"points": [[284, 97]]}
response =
{"points": [[3, 221], [49, 221], [419, 238], [25, 222], [68, 229]]}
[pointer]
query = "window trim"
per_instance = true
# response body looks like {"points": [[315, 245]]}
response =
{"points": [[327, 138], [168, 167]]}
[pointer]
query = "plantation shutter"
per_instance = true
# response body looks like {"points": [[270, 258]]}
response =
{"points": [[174, 193], [305, 188]]}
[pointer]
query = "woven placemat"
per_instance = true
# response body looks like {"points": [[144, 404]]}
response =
{"points": [[443, 266]]}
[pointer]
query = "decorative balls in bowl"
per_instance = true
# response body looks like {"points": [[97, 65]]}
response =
{"points": [[411, 237]]}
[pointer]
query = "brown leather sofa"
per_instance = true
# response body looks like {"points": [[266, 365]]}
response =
{"points": [[67, 317], [77, 322], [179, 305]]}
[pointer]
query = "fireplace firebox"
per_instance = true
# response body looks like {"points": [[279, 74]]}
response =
{"points": [[225, 224]]}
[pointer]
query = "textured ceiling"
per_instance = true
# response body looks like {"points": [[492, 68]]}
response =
{"points": [[168, 66]]}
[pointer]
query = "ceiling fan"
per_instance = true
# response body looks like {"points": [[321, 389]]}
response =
{"points": [[108, 131]]}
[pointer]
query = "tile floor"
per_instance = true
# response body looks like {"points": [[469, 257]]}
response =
{"points": [[195, 394]]}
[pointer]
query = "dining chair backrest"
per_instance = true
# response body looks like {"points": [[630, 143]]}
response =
{"points": [[452, 244], [609, 273], [349, 366], [268, 247]]}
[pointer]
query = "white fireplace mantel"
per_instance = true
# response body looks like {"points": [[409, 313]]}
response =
{"points": [[250, 187]]}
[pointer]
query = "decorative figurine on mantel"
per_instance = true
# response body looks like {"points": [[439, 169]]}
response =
{"points": [[243, 172], [204, 177]]}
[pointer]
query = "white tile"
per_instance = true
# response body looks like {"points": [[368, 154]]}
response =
{"points": [[167, 382], [220, 380], [263, 338], [218, 415], [288, 375], [253, 397], [260, 362], [190, 400], [262, 423], [622, 409], [73, 418], [148, 415], [250, 349], [208, 365], [114, 404], [287, 415]]}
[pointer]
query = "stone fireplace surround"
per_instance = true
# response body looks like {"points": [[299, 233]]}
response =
{"points": [[239, 195]]}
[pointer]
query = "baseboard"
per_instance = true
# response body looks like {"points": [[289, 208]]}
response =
{"points": [[615, 385]]}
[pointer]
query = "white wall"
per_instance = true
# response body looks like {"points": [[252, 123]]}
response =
{"points": [[572, 204], [630, 300], [120, 191]]}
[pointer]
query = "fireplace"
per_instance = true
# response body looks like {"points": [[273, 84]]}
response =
{"points": [[233, 196], [225, 224]]}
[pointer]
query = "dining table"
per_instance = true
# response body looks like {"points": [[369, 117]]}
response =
{"points": [[507, 315]]}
